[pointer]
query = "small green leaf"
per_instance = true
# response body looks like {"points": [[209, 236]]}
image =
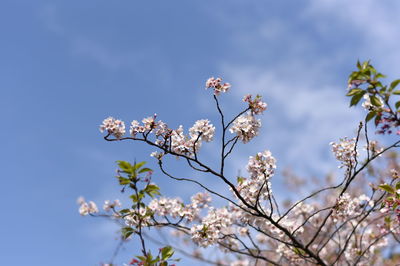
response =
{"points": [[356, 98], [375, 101], [152, 190], [126, 232], [354, 92], [167, 252], [370, 115], [397, 185], [387, 188], [138, 165], [396, 92], [143, 170], [394, 84], [397, 104], [125, 166], [123, 180]]}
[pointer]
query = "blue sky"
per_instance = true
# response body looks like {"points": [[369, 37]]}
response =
{"points": [[66, 65]]}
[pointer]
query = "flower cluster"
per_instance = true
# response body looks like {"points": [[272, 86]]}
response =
{"points": [[113, 127], [176, 208], [262, 165], [202, 130], [214, 226], [256, 106], [257, 187], [167, 206], [215, 83], [246, 127], [108, 205], [347, 206], [136, 217], [149, 124], [345, 151], [86, 207], [182, 144]]}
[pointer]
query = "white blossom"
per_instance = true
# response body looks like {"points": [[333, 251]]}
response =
{"points": [[88, 208], [113, 127], [215, 83], [345, 151], [246, 127], [204, 128], [108, 205]]}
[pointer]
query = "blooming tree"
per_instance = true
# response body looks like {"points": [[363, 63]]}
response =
{"points": [[353, 220]]}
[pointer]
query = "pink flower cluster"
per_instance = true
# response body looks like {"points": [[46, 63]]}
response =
{"points": [[345, 151], [256, 106], [246, 127], [215, 83], [113, 127], [86, 207]]}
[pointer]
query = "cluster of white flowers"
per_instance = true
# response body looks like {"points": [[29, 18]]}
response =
{"points": [[108, 205], [149, 124], [213, 227], [370, 241], [182, 144], [166, 206], [86, 208], [187, 145], [257, 187], [262, 165], [215, 83], [113, 127], [175, 207], [200, 200], [204, 128], [256, 106], [136, 217], [374, 147], [246, 127], [345, 151], [346, 206]]}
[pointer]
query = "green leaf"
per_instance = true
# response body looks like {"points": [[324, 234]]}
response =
{"points": [[138, 165], [375, 101], [397, 104], [394, 84], [397, 185], [380, 75], [143, 170], [124, 211], [126, 232], [354, 92], [152, 190], [125, 166], [141, 258], [370, 115], [356, 98], [387, 188], [396, 92], [358, 64], [134, 198], [365, 65], [123, 180], [167, 252]]}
